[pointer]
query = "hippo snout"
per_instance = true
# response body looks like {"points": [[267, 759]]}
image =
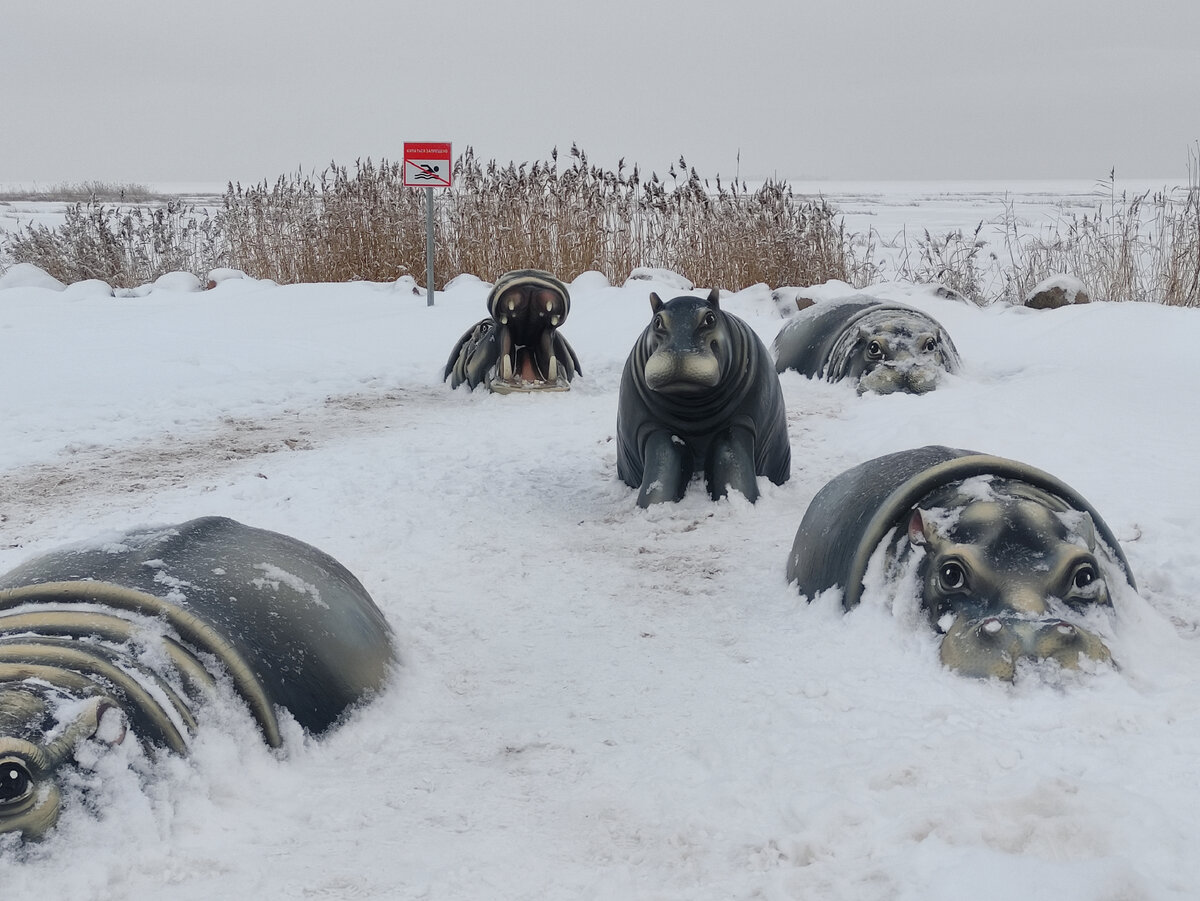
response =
{"points": [[992, 646], [907, 377], [682, 371]]}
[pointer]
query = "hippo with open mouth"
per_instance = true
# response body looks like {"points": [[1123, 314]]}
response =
{"points": [[882, 347], [1009, 564], [518, 347], [699, 395], [133, 634]]}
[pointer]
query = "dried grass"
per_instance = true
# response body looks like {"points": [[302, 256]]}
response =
{"points": [[125, 248], [1140, 248], [87, 191], [364, 224]]}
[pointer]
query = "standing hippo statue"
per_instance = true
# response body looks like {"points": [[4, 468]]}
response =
{"points": [[518, 347], [1008, 563], [699, 394], [134, 633], [882, 347]]}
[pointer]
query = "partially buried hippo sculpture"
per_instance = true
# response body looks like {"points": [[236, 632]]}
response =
{"points": [[1009, 563], [518, 347], [133, 632], [699, 394], [882, 347]]}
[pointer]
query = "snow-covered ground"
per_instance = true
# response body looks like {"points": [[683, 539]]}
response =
{"points": [[599, 701]]}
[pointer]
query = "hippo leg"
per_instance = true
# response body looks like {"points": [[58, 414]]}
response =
{"points": [[730, 464], [666, 469]]}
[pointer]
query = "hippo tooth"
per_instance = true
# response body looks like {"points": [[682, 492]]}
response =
{"points": [[506, 367], [512, 304], [991, 625], [554, 320], [549, 306], [552, 369], [1065, 629], [504, 319]]}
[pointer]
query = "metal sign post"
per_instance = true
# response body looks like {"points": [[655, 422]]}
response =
{"points": [[427, 165]]}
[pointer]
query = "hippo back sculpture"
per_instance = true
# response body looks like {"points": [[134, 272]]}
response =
{"points": [[518, 347], [1008, 561], [134, 633], [699, 395], [883, 347]]}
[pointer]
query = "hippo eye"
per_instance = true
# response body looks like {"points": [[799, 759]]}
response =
{"points": [[952, 576], [930, 345], [875, 351], [16, 783], [1084, 576], [659, 324], [710, 319]]}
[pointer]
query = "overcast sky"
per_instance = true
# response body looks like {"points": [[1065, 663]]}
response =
{"points": [[184, 91]]}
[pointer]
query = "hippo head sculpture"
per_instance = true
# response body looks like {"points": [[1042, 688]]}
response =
{"points": [[1010, 565], [518, 347], [880, 347], [40, 729], [699, 395]]}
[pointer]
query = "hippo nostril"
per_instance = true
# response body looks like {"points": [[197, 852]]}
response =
{"points": [[990, 627]]}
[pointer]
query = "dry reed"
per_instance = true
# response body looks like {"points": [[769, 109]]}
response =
{"points": [[363, 224]]}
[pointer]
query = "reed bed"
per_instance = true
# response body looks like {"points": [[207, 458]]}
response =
{"points": [[1144, 247], [84, 191], [1140, 248], [570, 217], [125, 247]]}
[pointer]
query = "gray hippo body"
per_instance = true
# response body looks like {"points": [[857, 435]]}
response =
{"points": [[699, 395], [518, 347], [1007, 557], [135, 632], [882, 347]]}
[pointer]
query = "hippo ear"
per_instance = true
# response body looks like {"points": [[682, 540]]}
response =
{"points": [[921, 532], [1087, 530], [111, 725], [656, 303], [714, 299]]}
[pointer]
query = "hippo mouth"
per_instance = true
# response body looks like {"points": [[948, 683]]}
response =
{"points": [[528, 367], [991, 647]]}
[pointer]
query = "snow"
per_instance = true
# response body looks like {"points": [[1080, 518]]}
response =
{"points": [[598, 701]]}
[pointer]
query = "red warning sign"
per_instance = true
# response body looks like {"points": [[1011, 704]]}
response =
{"points": [[427, 164]]}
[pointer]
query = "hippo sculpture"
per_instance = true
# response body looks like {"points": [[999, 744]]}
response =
{"points": [[1008, 563], [132, 635], [883, 347], [699, 394], [518, 347]]}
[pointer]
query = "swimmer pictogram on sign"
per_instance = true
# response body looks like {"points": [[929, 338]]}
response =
{"points": [[427, 165]]}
